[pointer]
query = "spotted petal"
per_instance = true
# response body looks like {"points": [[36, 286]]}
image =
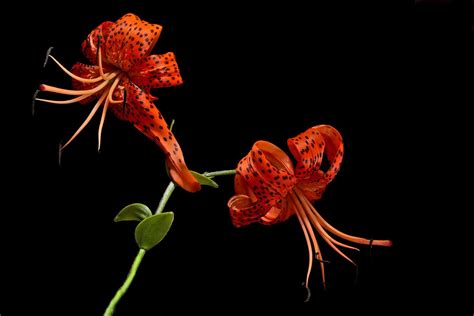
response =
{"points": [[156, 71], [263, 179], [90, 45], [309, 148], [130, 40], [144, 115]]}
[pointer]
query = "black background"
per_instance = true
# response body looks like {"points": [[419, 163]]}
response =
{"points": [[250, 73]]}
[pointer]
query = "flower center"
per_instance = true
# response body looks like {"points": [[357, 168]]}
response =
{"points": [[106, 84]]}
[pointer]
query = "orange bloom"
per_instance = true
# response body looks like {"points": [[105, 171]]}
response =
{"points": [[122, 74], [269, 189]]}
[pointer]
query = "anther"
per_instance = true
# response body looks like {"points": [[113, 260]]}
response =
{"points": [[308, 292], [98, 49], [47, 56], [33, 102], [172, 124], [321, 260], [124, 101], [60, 154]]}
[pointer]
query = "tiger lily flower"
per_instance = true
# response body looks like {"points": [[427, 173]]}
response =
{"points": [[270, 189], [120, 78]]}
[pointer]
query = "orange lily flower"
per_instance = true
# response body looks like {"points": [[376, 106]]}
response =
{"points": [[269, 189], [122, 74]]}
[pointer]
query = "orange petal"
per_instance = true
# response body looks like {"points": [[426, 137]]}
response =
{"points": [[277, 214], [264, 173], [130, 40], [90, 45], [308, 148], [334, 149], [241, 187], [264, 176], [275, 156], [156, 71], [144, 115], [244, 212]]}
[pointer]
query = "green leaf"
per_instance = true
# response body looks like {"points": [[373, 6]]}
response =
{"points": [[151, 231], [204, 180], [133, 212]]}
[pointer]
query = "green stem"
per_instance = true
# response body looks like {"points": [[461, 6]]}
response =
{"points": [[123, 289], [166, 196], [219, 173], [138, 259]]}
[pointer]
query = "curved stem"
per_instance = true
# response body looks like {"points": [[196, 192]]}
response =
{"points": [[123, 289], [166, 196], [138, 259]]}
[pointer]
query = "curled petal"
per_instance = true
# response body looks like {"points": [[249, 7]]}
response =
{"points": [[244, 212], [275, 156], [90, 45], [334, 149], [156, 71], [309, 148], [267, 166], [279, 213], [130, 40], [268, 170], [263, 179], [241, 187], [144, 115]]}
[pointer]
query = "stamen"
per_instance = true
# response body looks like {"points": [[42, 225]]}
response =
{"points": [[318, 226], [300, 212], [357, 240], [302, 202], [99, 57], [88, 119], [308, 243], [47, 56], [59, 154], [77, 99], [329, 241], [124, 101], [308, 294], [321, 260], [80, 79], [101, 125], [47, 88], [112, 89], [98, 49], [172, 124], [33, 102], [104, 110]]}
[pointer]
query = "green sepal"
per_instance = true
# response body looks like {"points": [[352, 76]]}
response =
{"points": [[204, 180]]}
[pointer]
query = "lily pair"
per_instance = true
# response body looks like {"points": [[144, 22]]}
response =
{"points": [[270, 187]]}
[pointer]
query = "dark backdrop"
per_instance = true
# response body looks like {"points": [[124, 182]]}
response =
{"points": [[250, 73]]}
